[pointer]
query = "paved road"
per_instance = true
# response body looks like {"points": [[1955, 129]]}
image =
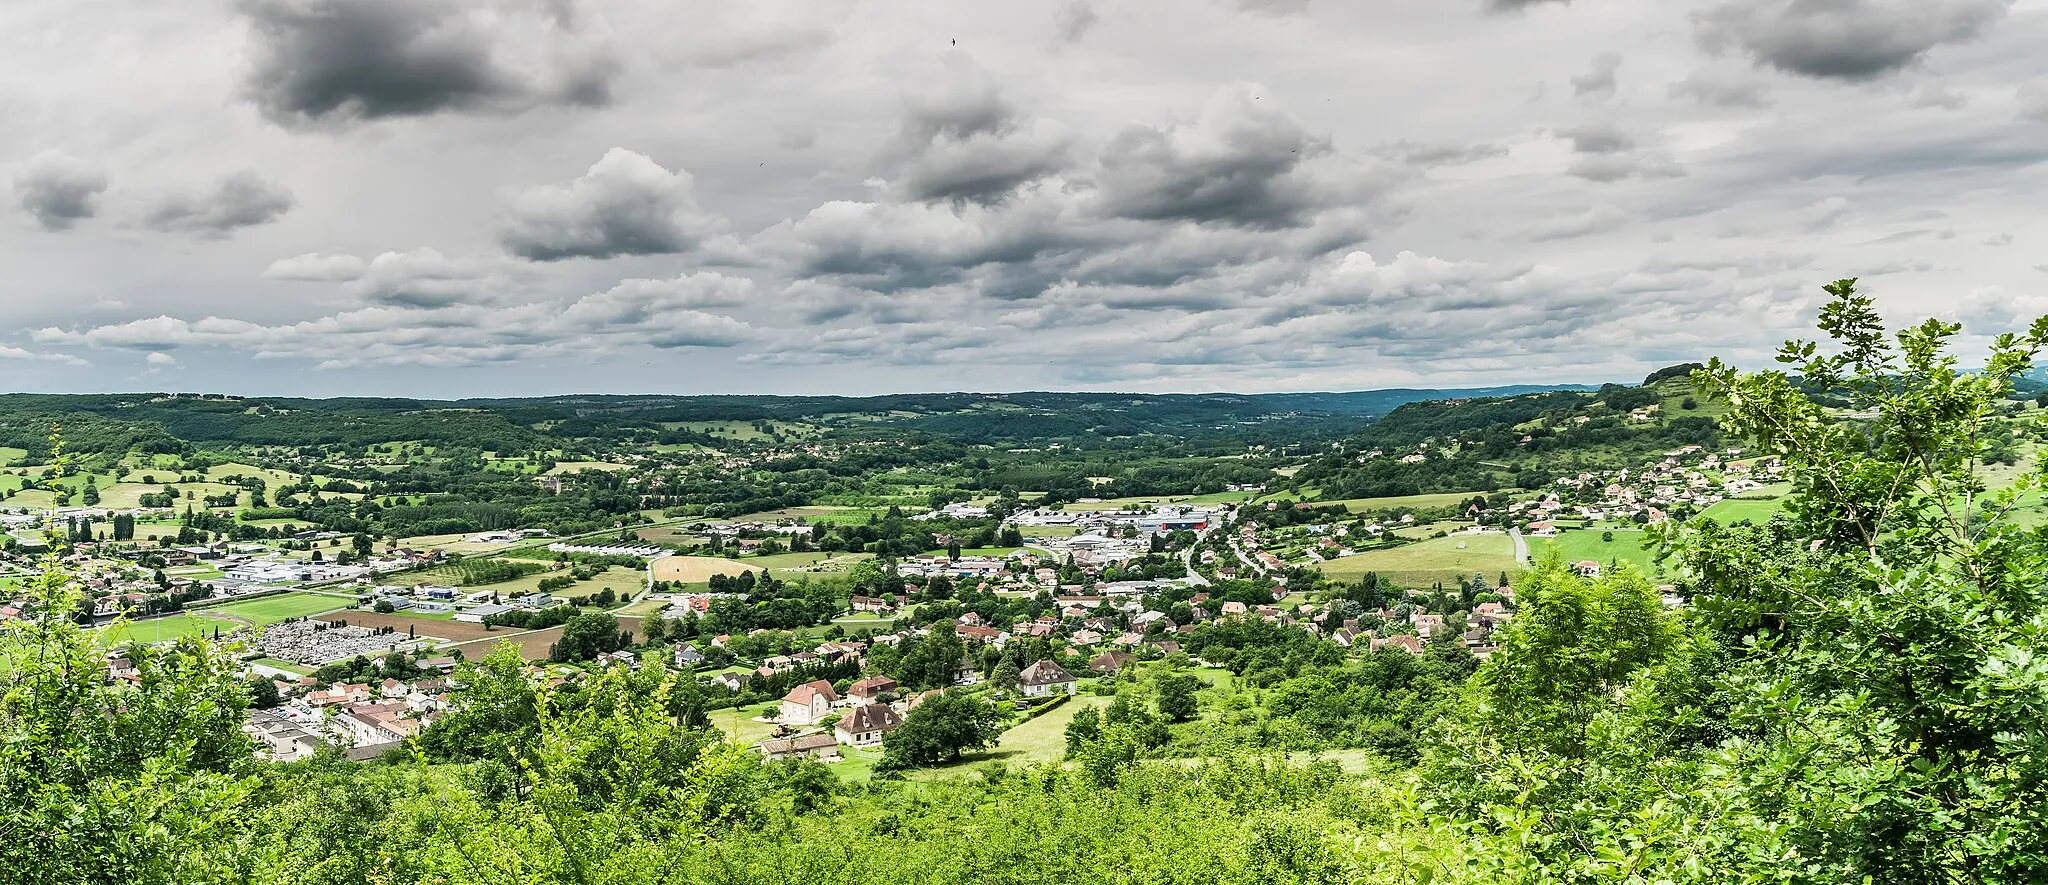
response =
{"points": [[1521, 546], [1252, 562], [1188, 558]]}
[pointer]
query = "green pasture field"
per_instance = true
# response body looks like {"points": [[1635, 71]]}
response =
{"points": [[286, 666], [163, 629], [784, 560], [1424, 530], [868, 620], [1585, 544], [644, 608], [626, 582], [265, 610], [1043, 739], [742, 430], [1424, 563], [1738, 509], [978, 551], [816, 515], [793, 568], [195, 572], [1048, 531], [1149, 502], [272, 479], [567, 467], [453, 543], [1404, 502]]}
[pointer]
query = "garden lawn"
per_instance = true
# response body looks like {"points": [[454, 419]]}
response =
{"points": [[856, 766], [738, 723], [1044, 739]]}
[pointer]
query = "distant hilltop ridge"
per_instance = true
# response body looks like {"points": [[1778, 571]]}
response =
{"points": [[746, 406], [165, 422]]}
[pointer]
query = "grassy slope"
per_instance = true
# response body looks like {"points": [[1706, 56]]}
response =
{"points": [[1425, 562], [1627, 546]]}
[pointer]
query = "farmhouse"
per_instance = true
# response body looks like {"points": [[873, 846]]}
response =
{"points": [[808, 703], [1410, 643], [815, 746], [865, 725], [870, 690], [1044, 678], [1109, 662]]}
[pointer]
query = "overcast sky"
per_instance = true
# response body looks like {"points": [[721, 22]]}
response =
{"points": [[501, 197]]}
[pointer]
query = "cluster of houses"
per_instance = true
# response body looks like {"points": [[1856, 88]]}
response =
{"points": [[1688, 476], [1117, 632], [362, 719], [120, 582], [872, 708]]}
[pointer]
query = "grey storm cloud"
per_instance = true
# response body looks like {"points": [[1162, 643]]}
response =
{"points": [[1238, 164], [1077, 193], [1075, 19], [243, 199], [1616, 167], [1598, 138], [59, 190], [1427, 154], [1843, 39], [1722, 90], [2033, 99], [1274, 7], [1607, 152], [626, 204], [1600, 81], [323, 61], [967, 142]]}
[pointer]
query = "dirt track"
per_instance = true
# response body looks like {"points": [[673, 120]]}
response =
{"points": [[533, 644]]}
